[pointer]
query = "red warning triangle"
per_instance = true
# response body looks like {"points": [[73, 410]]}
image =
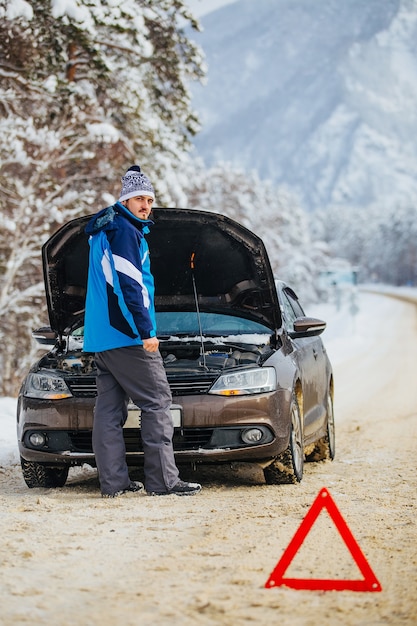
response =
{"points": [[324, 501]]}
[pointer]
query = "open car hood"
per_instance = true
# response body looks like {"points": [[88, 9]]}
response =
{"points": [[227, 263]]}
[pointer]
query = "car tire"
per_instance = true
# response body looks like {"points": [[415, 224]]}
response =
{"points": [[37, 475], [325, 448], [288, 467]]}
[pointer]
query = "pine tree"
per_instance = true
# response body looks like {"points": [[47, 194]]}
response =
{"points": [[87, 88]]}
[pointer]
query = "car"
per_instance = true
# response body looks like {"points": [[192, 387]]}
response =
{"points": [[250, 377]]}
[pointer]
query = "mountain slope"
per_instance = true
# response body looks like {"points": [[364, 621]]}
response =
{"points": [[318, 95]]}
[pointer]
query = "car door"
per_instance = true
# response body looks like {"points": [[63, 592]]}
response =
{"points": [[311, 361]]}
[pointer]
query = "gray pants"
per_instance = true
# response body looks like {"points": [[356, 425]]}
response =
{"points": [[124, 373]]}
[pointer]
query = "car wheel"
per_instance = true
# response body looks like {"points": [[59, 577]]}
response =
{"points": [[288, 467], [325, 448], [37, 475]]}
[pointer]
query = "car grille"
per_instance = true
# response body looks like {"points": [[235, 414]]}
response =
{"points": [[81, 441], [184, 439], [191, 385], [82, 386], [85, 386]]}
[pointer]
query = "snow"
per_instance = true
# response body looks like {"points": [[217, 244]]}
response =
{"points": [[252, 339], [73, 9], [106, 132], [18, 8], [50, 84], [8, 444], [352, 330]]}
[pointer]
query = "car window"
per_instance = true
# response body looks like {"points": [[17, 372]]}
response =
{"points": [[292, 308], [171, 323], [186, 323]]}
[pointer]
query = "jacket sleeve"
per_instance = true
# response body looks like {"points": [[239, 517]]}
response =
{"points": [[131, 261]]}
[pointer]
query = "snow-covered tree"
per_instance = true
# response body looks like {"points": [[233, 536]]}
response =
{"points": [[86, 89], [272, 213], [381, 242], [391, 255]]}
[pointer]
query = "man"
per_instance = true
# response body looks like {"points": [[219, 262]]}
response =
{"points": [[120, 328]]}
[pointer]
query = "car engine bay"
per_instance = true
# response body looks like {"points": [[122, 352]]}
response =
{"points": [[177, 356]]}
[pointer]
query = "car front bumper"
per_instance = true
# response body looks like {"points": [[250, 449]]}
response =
{"points": [[210, 432]]}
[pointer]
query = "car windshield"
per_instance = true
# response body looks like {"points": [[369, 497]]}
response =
{"points": [[215, 324], [170, 323]]}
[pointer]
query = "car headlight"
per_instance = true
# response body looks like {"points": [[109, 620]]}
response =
{"points": [[244, 382], [46, 386]]}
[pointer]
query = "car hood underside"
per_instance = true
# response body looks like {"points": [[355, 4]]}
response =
{"points": [[192, 252]]}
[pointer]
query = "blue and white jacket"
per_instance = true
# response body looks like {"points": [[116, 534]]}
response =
{"points": [[119, 309]]}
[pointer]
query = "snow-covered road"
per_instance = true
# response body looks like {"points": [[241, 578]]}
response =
{"points": [[70, 557]]}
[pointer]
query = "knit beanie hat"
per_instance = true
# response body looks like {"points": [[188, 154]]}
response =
{"points": [[134, 183]]}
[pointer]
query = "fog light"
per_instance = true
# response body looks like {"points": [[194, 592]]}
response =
{"points": [[252, 435], [37, 440]]}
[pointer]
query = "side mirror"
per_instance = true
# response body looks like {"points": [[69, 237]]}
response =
{"points": [[307, 327], [45, 336]]}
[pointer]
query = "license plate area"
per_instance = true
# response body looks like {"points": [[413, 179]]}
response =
{"points": [[134, 416]]}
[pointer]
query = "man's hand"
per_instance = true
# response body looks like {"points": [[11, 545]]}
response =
{"points": [[151, 344]]}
